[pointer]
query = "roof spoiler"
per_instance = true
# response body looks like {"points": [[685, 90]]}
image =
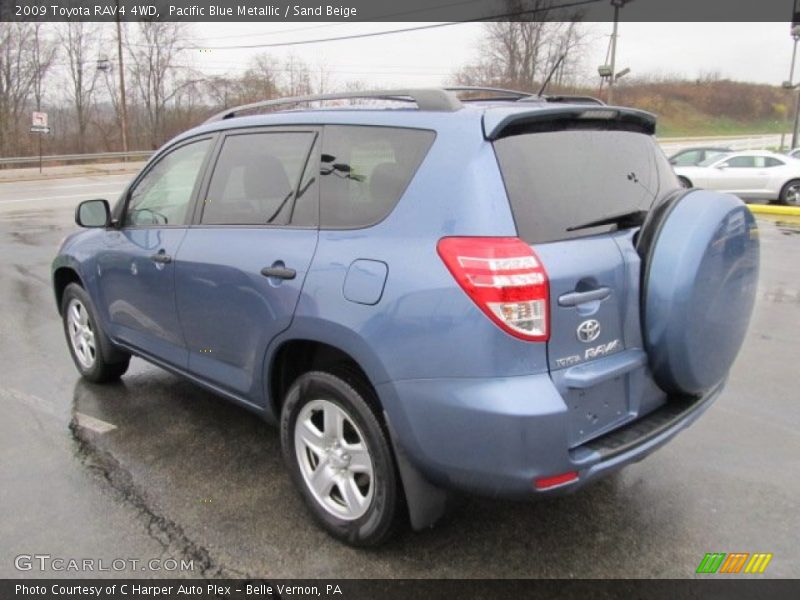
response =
{"points": [[502, 122]]}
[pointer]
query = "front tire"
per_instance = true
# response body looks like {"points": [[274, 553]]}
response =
{"points": [[91, 350], [790, 193], [339, 456]]}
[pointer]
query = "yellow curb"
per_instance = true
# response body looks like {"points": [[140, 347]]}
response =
{"points": [[770, 209]]}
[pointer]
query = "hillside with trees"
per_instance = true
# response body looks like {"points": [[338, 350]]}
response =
{"points": [[71, 71]]}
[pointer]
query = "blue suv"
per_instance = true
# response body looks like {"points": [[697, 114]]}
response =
{"points": [[508, 295]]}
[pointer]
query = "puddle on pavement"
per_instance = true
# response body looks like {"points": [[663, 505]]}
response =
{"points": [[788, 227]]}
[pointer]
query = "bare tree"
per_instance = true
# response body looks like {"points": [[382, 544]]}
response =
{"points": [[157, 75], [17, 77], [323, 78], [296, 77], [221, 91], [80, 42], [43, 53], [261, 80], [521, 54]]}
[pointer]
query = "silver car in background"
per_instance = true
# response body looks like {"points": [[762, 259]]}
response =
{"points": [[753, 175]]}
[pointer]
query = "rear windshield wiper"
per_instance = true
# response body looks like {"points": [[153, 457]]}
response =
{"points": [[632, 218]]}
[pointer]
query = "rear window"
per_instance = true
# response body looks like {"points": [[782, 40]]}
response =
{"points": [[364, 171], [561, 179]]}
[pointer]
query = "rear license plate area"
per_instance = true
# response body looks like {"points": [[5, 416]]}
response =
{"points": [[596, 410]]}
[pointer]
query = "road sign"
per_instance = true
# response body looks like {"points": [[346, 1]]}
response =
{"points": [[40, 129], [39, 119]]}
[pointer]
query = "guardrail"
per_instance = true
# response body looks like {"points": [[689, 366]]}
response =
{"points": [[34, 160]]}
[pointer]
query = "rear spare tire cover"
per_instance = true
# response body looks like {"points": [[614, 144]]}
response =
{"points": [[698, 289]]}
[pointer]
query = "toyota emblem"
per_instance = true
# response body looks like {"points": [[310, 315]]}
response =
{"points": [[589, 331]]}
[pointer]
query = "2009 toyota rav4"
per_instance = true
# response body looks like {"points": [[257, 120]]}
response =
{"points": [[510, 296]]}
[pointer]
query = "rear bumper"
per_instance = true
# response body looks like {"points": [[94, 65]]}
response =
{"points": [[495, 437]]}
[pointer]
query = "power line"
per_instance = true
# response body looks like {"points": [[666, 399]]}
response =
{"points": [[574, 4], [404, 13]]}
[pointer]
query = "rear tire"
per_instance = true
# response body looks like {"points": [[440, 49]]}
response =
{"points": [[340, 458], [92, 352], [790, 193]]}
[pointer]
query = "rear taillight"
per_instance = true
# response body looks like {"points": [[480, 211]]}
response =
{"points": [[505, 278]]}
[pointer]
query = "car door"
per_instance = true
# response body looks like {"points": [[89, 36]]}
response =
{"points": [[737, 174], [241, 267], [136, 271]]}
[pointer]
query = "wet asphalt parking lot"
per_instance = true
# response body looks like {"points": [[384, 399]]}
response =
{"points": [[184, 475]]}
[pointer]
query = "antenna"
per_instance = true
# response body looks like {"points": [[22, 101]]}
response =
{"points": [[551, 73]]}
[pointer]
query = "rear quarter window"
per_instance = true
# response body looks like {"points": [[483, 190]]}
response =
{"points": [[365, 170], [559, 179]]}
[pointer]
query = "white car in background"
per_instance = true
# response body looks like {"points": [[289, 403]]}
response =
{"points": [[756, 175]]}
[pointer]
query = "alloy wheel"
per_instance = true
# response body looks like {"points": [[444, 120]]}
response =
{"points": [[81, 334], [792, 195], [334, 459]]}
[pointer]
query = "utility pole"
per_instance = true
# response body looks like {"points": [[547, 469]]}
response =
{"points": [[789, 84], [123, 102], [616, 4], [609, 70]]}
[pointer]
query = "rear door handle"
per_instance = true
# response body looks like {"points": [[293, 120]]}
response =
{"points": [[161, 257], [279, 272], [575, 298]]}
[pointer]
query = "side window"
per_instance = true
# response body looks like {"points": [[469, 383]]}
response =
{"points": [[162, 196], [364, 171], [741, 162], [256, 178], [773, 162], [305, 212]]}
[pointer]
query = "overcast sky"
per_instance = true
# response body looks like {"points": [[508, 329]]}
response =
{"points": [[759, 52]]}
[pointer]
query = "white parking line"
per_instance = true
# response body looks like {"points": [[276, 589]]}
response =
{"points": [[38, 404], [93, 424]]}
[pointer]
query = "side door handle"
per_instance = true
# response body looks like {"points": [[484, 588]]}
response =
{"points": [[161, 257], [279, 272], [575, 298]]}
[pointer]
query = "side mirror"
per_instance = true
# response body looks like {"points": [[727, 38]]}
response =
{"points": [[672, 161], [93, 213]]}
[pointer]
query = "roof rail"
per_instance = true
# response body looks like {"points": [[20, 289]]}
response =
{"points": [[501, 91], [434, 99]]}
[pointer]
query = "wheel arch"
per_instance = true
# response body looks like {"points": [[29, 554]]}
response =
{"points": [[299, 355], [688, 182], [65, 272], [783, 187], [294, 355]]}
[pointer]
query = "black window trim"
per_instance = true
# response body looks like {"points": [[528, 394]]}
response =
{"points": [[119, 219], [323, 227], [210, 167]]}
